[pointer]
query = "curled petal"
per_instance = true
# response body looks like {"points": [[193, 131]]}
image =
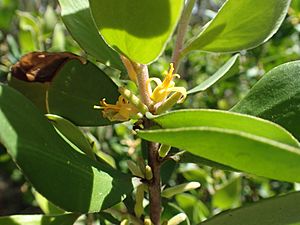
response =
{"points": [[181, 90], [123, 110], [166, 87]]}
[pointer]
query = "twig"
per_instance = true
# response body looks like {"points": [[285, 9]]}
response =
{"points": [[154, 185], [182, 28]]}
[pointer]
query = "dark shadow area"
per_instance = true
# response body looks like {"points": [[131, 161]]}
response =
{"points": [[12, 199]]}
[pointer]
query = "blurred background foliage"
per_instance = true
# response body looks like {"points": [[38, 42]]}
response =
{"points": [[35, 25]]}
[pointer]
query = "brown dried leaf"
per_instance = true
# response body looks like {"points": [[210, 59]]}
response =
{"points": [[41, 66]]}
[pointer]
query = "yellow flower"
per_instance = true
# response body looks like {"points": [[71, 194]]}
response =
{"points": [[166, 87], [123, 110]]}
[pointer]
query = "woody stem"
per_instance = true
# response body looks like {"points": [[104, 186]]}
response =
{"points": [[154, 185]]}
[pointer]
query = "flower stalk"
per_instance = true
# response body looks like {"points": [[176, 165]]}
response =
{"points": [[144, 87]]}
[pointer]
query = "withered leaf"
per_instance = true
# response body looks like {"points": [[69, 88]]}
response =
{"points": [[41, 66]]}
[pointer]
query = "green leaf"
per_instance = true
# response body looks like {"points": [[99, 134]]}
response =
{"points": [[69, 179], [58, 38], [196, 173], [78, 20], [295, 4], [187, 157], [276, 97], [50, 19], [193, 207], [76, 89], [170, 210], [35, 91], [241, 25], [245, 143], [275, 211], [28, 33], [226, 120], [68, 219], [223, 72], [7, 12], [229, 195], [27, 41], [47, 207], [71, 134], [137, 29]]}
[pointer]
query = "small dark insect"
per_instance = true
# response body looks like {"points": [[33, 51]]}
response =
{"points": [[41, 66], [138, 125]]}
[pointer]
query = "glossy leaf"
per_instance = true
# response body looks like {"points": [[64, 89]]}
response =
{"points": [[78, 20], [36, 92], [68, 219], [187, 157], [227, 120], [222, 73], [76, 89], [241, 25], [33, 143], [137, 29], [72, 134], [249, 144], [276, 97], [220, 119], [275, 211]]}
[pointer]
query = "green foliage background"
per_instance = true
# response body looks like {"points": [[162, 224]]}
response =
{"points": [[36, 25]]}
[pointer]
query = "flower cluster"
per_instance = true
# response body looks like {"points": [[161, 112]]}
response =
{"points": [[123, 110], [164, 88], [163, 97]]}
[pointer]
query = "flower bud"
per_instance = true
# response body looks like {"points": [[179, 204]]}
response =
{"points": [[170, 192], [148, 173], [133, 99], [124, 222], [139, 198], [179, 218], [164, 150], [169, 103], [130, 69], [147, 221]]}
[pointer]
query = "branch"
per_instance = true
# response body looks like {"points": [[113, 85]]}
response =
{"points": [[182, 28], [154, 185]]}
